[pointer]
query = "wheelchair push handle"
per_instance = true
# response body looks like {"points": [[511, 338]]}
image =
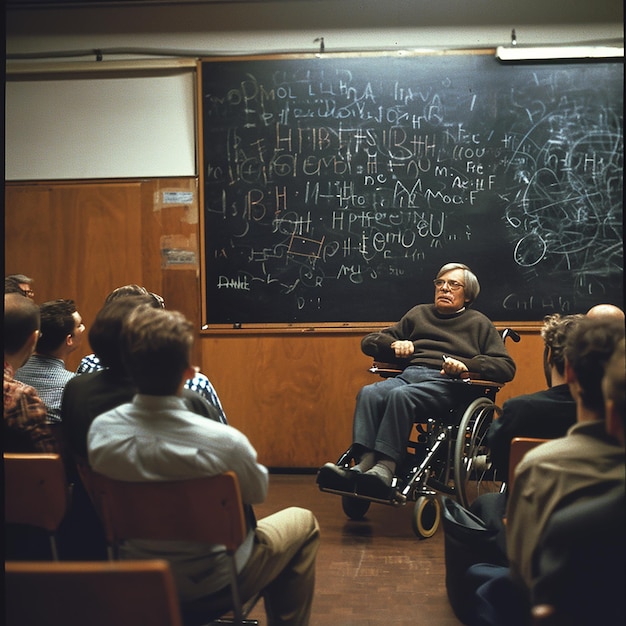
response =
{"points": [[509, 332]]}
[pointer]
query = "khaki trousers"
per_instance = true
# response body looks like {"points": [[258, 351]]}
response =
{"points": [[281, 568]]}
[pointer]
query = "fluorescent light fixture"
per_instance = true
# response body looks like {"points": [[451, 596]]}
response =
{"points": [[548, 53]]}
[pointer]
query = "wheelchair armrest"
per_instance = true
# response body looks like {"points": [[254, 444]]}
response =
{"points": [[385, 369], [472, 378]]}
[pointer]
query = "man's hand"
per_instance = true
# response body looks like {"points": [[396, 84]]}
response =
{"points": [[403, 348], [452, 367]]}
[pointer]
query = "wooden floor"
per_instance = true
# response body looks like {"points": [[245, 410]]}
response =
{"points": [[373, 572]]}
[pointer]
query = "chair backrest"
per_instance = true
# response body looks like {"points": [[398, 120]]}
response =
{"points": [[207, 509], [519, 447], [35, 490], [103, 593]]}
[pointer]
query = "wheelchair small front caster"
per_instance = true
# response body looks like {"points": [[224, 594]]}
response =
{"points": [[355, 508], [426, 516]]}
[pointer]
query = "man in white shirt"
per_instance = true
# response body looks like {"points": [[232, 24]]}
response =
{"points": [[155, 437]]}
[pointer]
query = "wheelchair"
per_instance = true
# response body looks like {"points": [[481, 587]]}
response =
{"points": [[445, 454]]}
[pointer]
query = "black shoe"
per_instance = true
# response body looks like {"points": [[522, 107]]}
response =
{"points": [[331, 476], [373, 485]]}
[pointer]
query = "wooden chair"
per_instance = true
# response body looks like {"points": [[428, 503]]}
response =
{"points": [[207, 510], [36, 492], [102, 593], [519, 447]]}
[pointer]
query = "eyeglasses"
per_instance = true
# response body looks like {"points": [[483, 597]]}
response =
{"points": [[453, 285], [29, 293]]}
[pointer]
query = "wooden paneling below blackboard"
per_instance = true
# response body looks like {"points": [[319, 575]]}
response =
{"points": [[335, 186]]}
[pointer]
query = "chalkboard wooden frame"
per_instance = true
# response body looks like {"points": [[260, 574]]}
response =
{"points": [[543, 198]]}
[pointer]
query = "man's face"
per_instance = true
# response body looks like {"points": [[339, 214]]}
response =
{"points": [[450, 294], [79, 329]]}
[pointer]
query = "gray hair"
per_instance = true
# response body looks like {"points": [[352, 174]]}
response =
{"points": [[472, 286]]}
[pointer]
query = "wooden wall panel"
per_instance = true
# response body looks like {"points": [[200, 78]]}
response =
{"points": [[82, 240], [292, 394], [76, 241]]}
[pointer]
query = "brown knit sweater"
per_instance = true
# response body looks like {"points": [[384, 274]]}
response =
{"points": [[468, 336]]}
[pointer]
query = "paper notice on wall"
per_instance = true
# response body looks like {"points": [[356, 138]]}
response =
{"points": [[167, 199], [179, 252], [178, 197]]}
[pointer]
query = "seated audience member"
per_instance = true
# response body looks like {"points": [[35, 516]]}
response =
{"points": [[588, 460], [581, 555], [155, 437], [12, 286], [62, 331], [199, 383], [580, 467], [25, 426], [546, 414], [88, 395], [385, 411], [91, 362], [18, 282]]}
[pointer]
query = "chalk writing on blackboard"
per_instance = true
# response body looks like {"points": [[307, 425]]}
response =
{"points": [[334, 188]]}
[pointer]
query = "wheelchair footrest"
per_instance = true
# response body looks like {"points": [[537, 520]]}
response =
{"points": [[370, 486], [396, 499], [343, 482]]}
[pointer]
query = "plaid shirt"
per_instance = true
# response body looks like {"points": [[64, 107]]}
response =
{"points": [[48, 376], [25, 418], [199, 383]]}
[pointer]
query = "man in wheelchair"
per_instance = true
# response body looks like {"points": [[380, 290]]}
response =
{"points": [[435, 345]]}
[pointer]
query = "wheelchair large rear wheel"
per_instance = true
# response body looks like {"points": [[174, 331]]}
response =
{"points": [[473, 474]]}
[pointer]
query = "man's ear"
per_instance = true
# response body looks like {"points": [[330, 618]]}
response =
{"points": [[549, 354], [32, 341], [29, 346], [190, 372]]}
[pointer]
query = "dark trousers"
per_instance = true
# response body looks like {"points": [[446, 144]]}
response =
{"points": [[497, 601]]}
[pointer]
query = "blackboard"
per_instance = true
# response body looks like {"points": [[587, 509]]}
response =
{"points": [[335, 186]]}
